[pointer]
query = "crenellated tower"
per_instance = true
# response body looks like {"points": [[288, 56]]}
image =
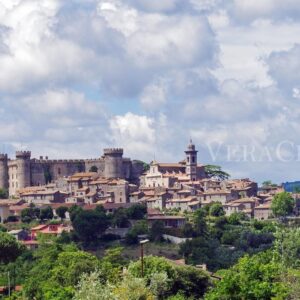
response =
{"points": [[113, 158], [191, 161], [4, 171], [23, 168]]}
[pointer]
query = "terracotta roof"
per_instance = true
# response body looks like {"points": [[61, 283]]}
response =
{"points": [[244, 200], [85, 174], [219, 192], [264, 206], [19, 207]]}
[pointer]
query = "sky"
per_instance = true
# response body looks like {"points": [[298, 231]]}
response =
{"points": [[80, 75]]}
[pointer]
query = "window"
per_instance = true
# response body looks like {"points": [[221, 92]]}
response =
{"points": [[188, 159], [59, 171], [193, 159]]}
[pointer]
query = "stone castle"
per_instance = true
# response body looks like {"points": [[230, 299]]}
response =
{"points": [[24, 171]]}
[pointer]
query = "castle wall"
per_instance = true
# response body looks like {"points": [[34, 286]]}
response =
{"points": [[99, 163], [113, 163], [23, 171], [44, 171], [3, 171]]}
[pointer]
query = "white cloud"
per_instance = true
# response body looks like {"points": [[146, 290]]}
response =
{"points": [[147, 75]]}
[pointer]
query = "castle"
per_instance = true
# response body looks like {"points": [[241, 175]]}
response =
{"points": [[24, 171]]}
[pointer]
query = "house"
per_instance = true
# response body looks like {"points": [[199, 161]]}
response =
{"points": [[43, 196], [245, 205], [52, 229], [263, 211], [185, 204], [4, 212], [19, 234], [136, 196], [222, 196], [158, 200], [241, 188], [168, 221]]}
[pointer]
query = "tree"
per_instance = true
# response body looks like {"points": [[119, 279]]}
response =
{"points": [[255, 277], [213, 171], [70, 265], [137, 211], [186, 280], [3, 193], [46, 213], [90, 224], [93, 169], [156, 231], [216, 210], [267, 183], [188, 230], [120, 218], [90, 287], [61, 212], [29, 214], [200, 223], [282, 204], [10, 248], [73, 211], [140, 227]]}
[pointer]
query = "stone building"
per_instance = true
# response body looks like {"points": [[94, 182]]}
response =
{"points": [[24, 171], [167, 174]]}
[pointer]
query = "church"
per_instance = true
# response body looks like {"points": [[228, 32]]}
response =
{"points": [[168, 174]]}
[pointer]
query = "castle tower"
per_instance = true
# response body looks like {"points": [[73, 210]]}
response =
{"points": [[191, 161], [23, 168], [113, 158], [4, 171]]}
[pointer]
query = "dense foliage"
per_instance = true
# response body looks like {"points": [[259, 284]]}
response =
{"points": [[282, 204]]}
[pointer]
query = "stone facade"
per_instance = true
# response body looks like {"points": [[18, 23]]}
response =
{"points": [[24, 171]]}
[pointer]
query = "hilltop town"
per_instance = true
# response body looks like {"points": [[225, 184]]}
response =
{"points": [[115, 182], [108, 212]]}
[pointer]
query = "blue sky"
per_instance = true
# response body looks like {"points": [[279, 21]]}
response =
{"points": [[77, 76]]}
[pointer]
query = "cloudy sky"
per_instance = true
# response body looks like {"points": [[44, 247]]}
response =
{"points": [[80, 75]]}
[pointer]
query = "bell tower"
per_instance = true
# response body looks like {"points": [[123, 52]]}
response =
{"points": [[191, 161]]}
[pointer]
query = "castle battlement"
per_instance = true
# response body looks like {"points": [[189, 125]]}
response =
{"points": [[3, 157], [23, 154], [108, 151], [55, 161]]}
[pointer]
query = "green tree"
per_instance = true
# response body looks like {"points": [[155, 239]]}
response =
{"points": [[74, 210], [46, 213], [3, 193], [255, 277], [157, 231], [137, 211], [61, 212], [10, 248], [213, 171], [91, 287], [267, 183], [282, 204], [90, 224], [216, 210], [29, 214], [70, 265], [200, 222], [186, 280], [140, 227], [120, 218]]}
